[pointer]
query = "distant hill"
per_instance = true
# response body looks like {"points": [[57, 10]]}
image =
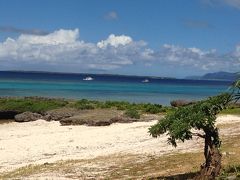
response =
{"points": [[217, 76]]}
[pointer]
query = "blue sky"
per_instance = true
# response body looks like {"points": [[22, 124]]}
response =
{"points": [[149, 37]]}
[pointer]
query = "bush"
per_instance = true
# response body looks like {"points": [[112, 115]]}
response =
{"points": [[153, 108], [132, 113]]}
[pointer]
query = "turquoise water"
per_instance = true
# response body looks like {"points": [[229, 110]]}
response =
{"points": [[109, 88]]}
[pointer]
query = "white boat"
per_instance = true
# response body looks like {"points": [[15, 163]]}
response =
{"points": [[145, 81], [88, 78]]}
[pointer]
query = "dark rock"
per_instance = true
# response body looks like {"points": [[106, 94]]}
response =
{"points": [[123, 119], [96, 121], [79, 120], [180, 103], [72, 121], [8, 114], [103, 118], [99, 123], [96, 117], [27, 116], [61, 113]]}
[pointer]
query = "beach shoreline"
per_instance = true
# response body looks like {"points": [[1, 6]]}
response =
{"points": [[40, 142]]}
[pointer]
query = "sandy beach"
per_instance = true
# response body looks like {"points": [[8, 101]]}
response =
{"points": [[41, 142]]}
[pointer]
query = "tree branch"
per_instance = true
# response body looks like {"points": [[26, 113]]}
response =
{"points": [[199, 135]]}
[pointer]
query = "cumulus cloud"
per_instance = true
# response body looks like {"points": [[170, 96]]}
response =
{"points": [[192, 57], [22, 31], [198, 59], [115, 41], [57, 37], [63, 50]]}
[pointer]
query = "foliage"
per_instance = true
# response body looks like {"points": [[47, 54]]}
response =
{"points": [[132, 113], [236, 90], [234, 108], [33, 104], [83, 104], [199, 116], [120, 105], [152, 108], [40, 104]]}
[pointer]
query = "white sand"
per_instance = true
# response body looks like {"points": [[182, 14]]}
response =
{"points": [[40, 141]]}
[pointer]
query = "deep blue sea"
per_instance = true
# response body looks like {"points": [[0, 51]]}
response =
{"points": [[107, 87]]}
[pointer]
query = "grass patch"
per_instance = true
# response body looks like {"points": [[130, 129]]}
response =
{"points": [[32, 104], [121, 105], [234, 111], [40, 105], [84, 104], [113, 167]]}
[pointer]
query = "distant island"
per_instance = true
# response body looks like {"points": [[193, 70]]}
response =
{"points": [[12, 73], [224, 76]]}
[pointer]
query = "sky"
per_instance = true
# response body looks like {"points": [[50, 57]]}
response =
{"points": [[174, 38]]}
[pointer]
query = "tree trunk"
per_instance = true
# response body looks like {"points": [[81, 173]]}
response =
{"points": [[211, 168]]}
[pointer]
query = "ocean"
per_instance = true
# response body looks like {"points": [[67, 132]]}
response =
{"points": [[107, 87]]}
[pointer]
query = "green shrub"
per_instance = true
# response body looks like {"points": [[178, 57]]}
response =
{"points": [[153, 108], [132, 113], [119, 105]]}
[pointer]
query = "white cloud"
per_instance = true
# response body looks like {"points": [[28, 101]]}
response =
{"points": [[200, 59], [57, 37], [115, 41], [63, 50]]}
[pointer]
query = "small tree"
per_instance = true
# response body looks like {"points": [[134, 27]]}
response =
{"points": [[202, 117], [236, 90]]}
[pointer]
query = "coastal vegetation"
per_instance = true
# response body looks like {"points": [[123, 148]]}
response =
{"points": [[11, 106], [121, 105], [77, 112], [32, 104], [41, 105]]}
